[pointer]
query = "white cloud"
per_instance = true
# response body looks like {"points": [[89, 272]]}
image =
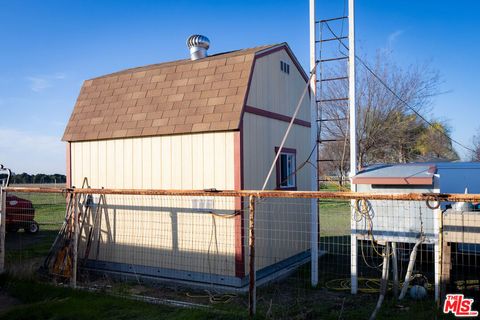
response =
{"points": [[59, 76], [31, 152], [392, 37], [40, 83]]}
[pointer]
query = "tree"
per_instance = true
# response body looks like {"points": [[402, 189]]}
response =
{"points": [[388, 131], [25, 178], [476, 147], [433, 143]]}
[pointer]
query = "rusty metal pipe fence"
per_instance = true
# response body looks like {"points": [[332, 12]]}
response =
{"points": [[251, 249]]}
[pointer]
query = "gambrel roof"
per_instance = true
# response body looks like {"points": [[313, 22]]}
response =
{"points": [[176, 97]]}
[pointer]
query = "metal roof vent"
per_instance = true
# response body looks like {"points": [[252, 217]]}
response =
{"points": [[198, 46]]}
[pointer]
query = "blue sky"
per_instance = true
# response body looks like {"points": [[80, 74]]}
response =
{"points": [[49, 47]]}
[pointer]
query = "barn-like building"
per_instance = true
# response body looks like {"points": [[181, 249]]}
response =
{"points": [[211, 121]]}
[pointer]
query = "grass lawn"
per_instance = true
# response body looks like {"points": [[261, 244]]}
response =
{"points": [[44, 301], [25, 252], [291, 298], [334, 218]]}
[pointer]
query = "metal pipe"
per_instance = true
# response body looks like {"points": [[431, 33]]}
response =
{"points": [[353, 138], [384, 283], [3, 195], [313, 141], [75, 242], [332, 19], [351, 88], [441, 197], [411, 263], [252, 297], [438, 247], [395, 269]]}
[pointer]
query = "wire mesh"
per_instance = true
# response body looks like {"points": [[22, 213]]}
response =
{"points": [[32, 223], [197, 249]]}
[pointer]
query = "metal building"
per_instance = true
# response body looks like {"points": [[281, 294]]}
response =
{"points": [[407, 221]]}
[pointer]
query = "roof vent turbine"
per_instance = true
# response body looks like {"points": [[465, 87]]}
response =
{"points": [[198, 46]]}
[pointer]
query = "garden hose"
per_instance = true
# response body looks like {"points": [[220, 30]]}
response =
{"points": [[213, 298], [365, 285]]}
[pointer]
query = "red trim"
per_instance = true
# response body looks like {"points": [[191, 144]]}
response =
{"points": [[393, 180], [398, 180], [69, 165], [276, 116], [277, 168], [239, 219]]}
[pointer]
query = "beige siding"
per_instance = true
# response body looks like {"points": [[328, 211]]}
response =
{"points": [[191, 161], [260, 137], [162, 232], [282, 224], [275, 91]]}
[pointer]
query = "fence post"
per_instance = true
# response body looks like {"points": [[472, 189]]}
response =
{"points": [[75, 240], [252, 298], [438, 247], [353, 249], [3, 195]]}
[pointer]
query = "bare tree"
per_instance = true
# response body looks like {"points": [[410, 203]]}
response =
{"points": [[476, 147], [387, 129]]}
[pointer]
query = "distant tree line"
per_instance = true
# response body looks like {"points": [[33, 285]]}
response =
{"points": [[25, 178]]}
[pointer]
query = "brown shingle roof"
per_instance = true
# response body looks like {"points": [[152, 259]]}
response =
{"points": [[175, 97]]}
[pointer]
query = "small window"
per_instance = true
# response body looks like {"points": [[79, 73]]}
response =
{"points": [[286, 164]]}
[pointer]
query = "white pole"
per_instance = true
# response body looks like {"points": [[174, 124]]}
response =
{"points": [[353, 137], [3, 212], [75, 240], [313, 137], [438, 242]]}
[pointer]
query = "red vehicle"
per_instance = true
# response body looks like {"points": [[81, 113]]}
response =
{"points": [[20, 212]]}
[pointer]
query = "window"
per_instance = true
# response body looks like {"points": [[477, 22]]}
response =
{"points": [[285, 67], [286, 164]]}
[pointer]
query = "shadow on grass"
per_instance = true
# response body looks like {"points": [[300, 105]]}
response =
{"points": [[42, 301]]}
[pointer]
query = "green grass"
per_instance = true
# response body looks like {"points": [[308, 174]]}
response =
{"points": [[25, 251], [42, 301], [289, 299], [332, 186], [334, 218]]}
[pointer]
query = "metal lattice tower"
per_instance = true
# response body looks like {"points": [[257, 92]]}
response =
{"points": [[333, 108], [334, 85], [332, 100]]}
